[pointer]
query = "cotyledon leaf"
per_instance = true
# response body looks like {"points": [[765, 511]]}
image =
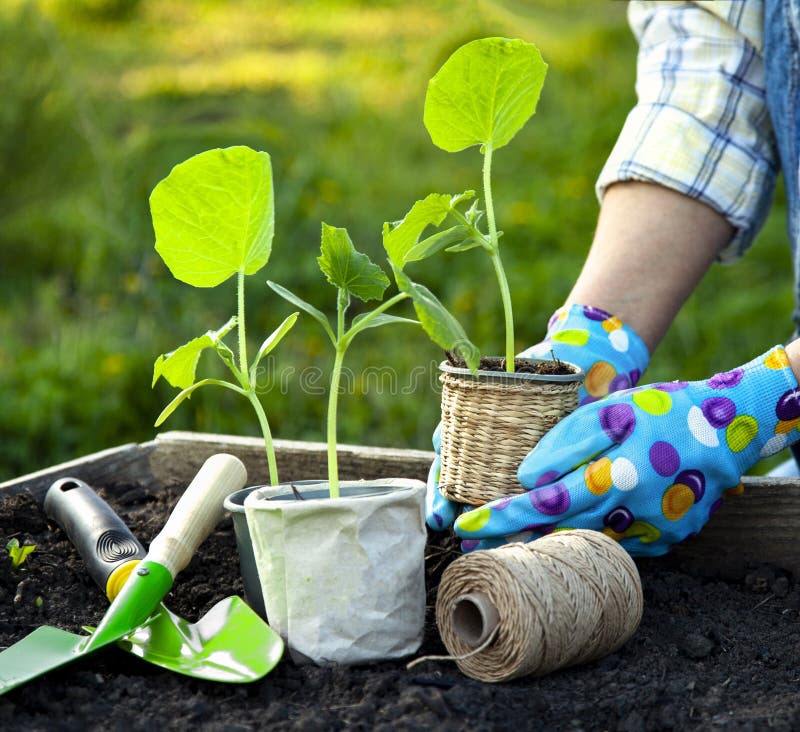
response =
{"points": [[298, 301], [271, 341], [442, 327]]}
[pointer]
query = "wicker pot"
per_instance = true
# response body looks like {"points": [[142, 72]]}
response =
{"points": [[490, 421]]}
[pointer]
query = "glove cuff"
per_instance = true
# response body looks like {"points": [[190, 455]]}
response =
{"points": [[613, 356]]}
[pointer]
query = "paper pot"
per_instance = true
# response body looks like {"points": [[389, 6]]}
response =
{"points": [[491, 420], [247, 560], [343, 579]]}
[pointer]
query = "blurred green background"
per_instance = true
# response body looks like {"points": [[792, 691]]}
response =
{"points": [[102, 97]]}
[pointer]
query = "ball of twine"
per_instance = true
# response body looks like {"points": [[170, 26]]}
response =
{"points": [[529, 609]]}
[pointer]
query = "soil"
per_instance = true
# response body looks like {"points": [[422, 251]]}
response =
{"points": [[521, 365], [710, 653]]}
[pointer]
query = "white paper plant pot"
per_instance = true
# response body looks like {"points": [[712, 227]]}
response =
{"points": [[344, 579]]}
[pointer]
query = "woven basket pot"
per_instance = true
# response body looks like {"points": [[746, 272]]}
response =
{"points": [[490, 421]]}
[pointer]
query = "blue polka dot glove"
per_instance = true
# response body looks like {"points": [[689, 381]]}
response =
{"points": [[610, 353], [647, 466]]}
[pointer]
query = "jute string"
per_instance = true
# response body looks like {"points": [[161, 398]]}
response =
{"points": [[529, 609], [489, 427]]}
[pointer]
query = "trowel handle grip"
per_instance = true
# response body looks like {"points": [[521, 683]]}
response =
{"points": [[105, 543], [198, 511]]}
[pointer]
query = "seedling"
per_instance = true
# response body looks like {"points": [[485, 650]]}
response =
{"points": [[214, 217], [18, 553], [482, 96], [353, 274]]}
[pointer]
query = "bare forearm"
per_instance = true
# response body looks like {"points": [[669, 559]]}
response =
{"points": [[651, 248]]}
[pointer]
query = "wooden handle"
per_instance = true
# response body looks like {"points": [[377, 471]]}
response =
{"points": [[198, 511]]}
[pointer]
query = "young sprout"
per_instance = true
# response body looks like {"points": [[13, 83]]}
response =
{"points": [[353, 274], [18, 553], [482, 96], [214, 217]]}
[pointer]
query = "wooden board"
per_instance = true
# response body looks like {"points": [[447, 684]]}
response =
{"points": [[761, 525], [175, 457]]}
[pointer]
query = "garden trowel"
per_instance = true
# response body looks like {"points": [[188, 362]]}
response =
{"points": [[229, 643], [196, 514]]}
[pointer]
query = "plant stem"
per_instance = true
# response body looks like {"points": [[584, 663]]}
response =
{"points": [[241, 330], [249, 390], [342, 303], [333, 401], [505, 293], [265, 430]]}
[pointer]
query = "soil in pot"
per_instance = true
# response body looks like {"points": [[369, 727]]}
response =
{"points": [[544, 367], [709, 653]]}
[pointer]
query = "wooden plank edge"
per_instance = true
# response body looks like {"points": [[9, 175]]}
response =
{"points": [[121, 464], [180, 454], [759, 526]]}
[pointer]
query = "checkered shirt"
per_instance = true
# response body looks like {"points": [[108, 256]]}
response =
{"points": [[701, 124]]}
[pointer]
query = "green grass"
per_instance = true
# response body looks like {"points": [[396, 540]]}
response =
{"points": [[103, 97]]}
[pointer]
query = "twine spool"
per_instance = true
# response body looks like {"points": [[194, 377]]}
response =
{"points": [[489, 425], [529, 609]]}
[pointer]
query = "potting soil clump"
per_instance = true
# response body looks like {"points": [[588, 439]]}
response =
{"points": [[543, 367]]}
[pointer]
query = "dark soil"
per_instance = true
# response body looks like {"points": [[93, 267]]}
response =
{"points": [[521, 365], [709, 654]]}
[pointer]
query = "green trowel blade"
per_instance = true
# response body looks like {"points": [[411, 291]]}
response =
{"points": [[45, 649], [230, 643]]}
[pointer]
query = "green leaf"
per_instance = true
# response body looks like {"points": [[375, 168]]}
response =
{"points": [[18, 553], [214, 215], [378, 321], [318, 315], [400, 237], [448, 239], [442, 328], [179, 366], [271, 341], [348, 269], [187, 393], [484, 93], [466, 245]]}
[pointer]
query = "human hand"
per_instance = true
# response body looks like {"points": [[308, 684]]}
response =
{"points": [[610, 353], [649, 465]]}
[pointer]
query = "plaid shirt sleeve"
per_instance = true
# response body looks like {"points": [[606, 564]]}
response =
{"points": [[701, 124]]}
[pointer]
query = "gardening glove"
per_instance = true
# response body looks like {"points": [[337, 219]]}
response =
{"points": [[647, 466], [610, 353]]}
